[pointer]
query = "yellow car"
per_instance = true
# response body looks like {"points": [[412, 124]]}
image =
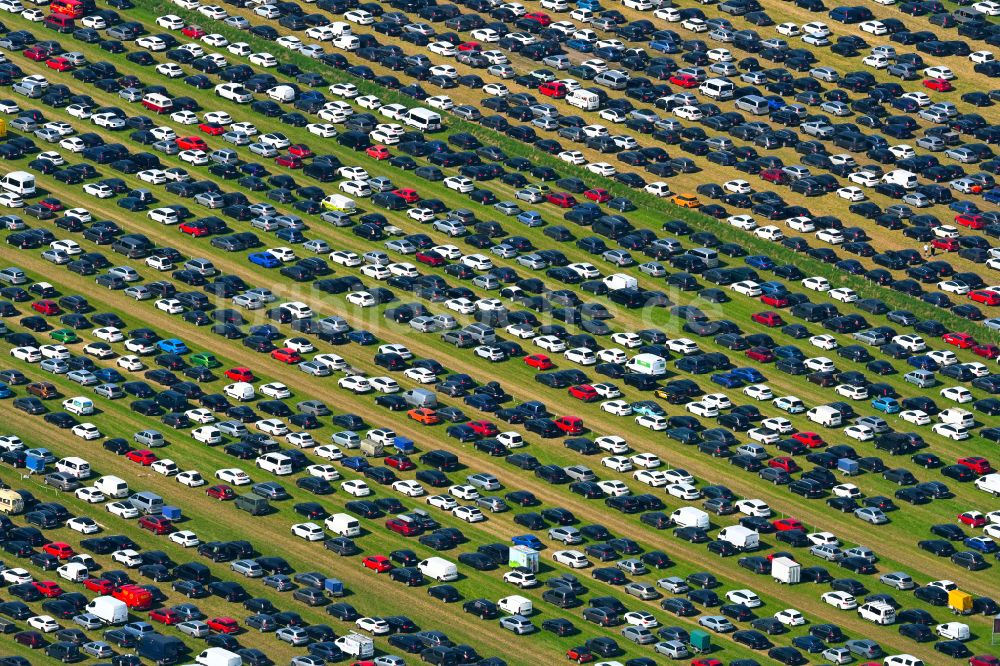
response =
{"points": [[686, 200]]}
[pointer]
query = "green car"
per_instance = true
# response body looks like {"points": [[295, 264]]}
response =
{"points": [[65, 336], [204, 360]]}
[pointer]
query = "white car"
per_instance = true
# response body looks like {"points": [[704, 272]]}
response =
{"points": [[16, 576], [841, 600], [953, 287], [90, 494], [825, 342], [753, 507], [325, 472], [43, 623], [373, 625], [950, 431], [574, 559], [191, 478], [747, 288], [763, 435], [83, 525], [758, 392], [852, 392], [356, 487], [745, 597], [409, 488], [860, 433], [702, 409], [185, 538], [127, 557], [790, 617], [122, 510], [915, 416], [847, 490], [355, 384], [958, 394], [617, 463], [165, 466], [233, 475], [469, 514], [654, 478], [86, 431], [617, 407], [443, 502], [464, 492], [308, 531], [684, 491]]}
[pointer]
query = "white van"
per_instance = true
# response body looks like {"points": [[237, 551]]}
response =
{"points": [[743, 538], [78, 468], [216, 656], [989, 483], [343, 525], [688, 516], [19, 182], [717, 89], [825, 415], [902, 177], [112, 486], [584, 99], [282, 93], [957, 416], [423, 119], [276, 463], [241, 391], [515, 604], [438, 568], [878, 612], [79, 405], [74, 572], [618, 281]]}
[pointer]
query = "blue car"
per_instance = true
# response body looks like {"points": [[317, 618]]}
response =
{"points": [[993, 196], [964, 207], [727, 380], [760, 261], [924, 362], [265, 259], [531, 218], [5, 391], [665, 46], [529, 540], [788, 351], [749, 375], [173, 346], [982, 545], [357, 463], [773, 288], [581, 45], [363, 338], [648, 408], [462, 433], [109, 375], [886, 405]]}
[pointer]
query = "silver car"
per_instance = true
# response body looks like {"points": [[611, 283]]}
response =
{"points": [[871, 515], [492, 504], [88, 621], [248, 568], [638, 635], [716, 623], [98, 649], [194, 628], [566, 535], [293, 635], [517, 624]]}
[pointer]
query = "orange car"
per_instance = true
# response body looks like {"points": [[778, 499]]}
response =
{"points": [[686, 201], [424, 415]]}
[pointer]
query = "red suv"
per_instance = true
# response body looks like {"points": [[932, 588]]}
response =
{"points": [[223, 625], [240, 374], [156, 524], [561, 199], [403, 527], [977, 464], [553, 89], [286, 355], [377, 563], [221, 492], [769, 319], [46, 307], [571, 425], [584, 392]]}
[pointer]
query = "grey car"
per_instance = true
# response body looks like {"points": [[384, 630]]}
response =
{"points": [[425, 324], [314, 407], [641, 590], [672, 649], [293, 635], [194, 628], [61, 482], [565, 534], [232, 428], [517, 624], [98, 649], [139, 292], [247, 568], [263, 150], [493, 504], [88, 621], [149, 438], [717, 623], [633, 567], [507, 207], [898, 579], [638, 635], [871, 515], [484, 481], [865, 648]]}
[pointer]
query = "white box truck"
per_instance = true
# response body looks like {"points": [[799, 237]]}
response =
{"points": [[438, 568], [647, 364], [109, 609], [786, 570], [515, 604], [216, 656], [356, 645], [743, 538]]}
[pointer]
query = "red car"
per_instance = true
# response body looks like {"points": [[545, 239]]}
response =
{"points": [[777, 176], [938, 85], [769, 319], [286, 355], [785, 463], [59, 549], [977, 464], [51, 203], [598, 194], [407, 194], [972, 519], [684, 80], [946, 244], [156, 524], [584, 392], [48, 588], [191, 143], [960, 340], [35, 53], [194, 228], [167, 616], [430, 257], [289, 161], [539, 361], [541, 17], [571, 425], [787, 524], [224, 625], [708, 661], [240, 374], [760, 354], [970, 220], [580, 654], [561, 199], [212, 129], [985, 296], [403, 527], [400, 462], [984, 660], [810, 439], [484, 428], [59, 64], [378, 152], [144, 457], [193, 31], [99, 585], [774, 301], [221, 492], [46, 307], [300, 150], [470, 46], [377, 563], [986, 351]]}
